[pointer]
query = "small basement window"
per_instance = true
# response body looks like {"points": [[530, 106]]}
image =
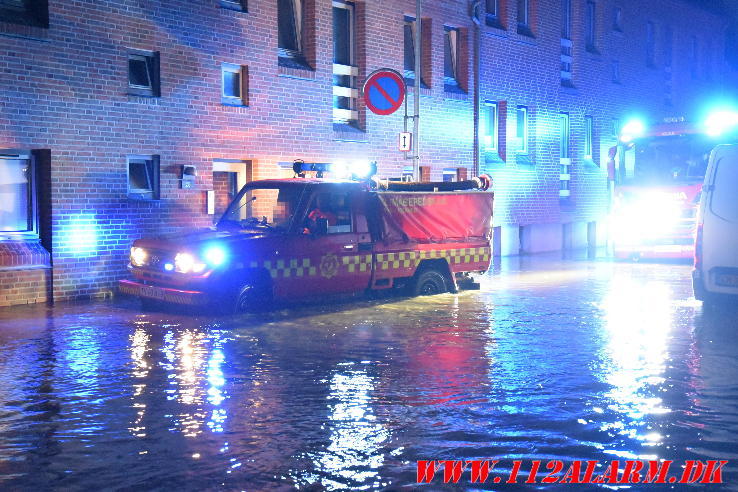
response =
{"points": [[234, 84], [143, 177]]}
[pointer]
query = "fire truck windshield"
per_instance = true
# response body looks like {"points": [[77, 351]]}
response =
{"points": [[665, 160], [264, 207]]}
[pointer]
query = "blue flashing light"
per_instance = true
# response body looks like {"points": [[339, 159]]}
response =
{"points": [[215, 256], [631, 130], [168, 267], [720, 122], [359, 169]]}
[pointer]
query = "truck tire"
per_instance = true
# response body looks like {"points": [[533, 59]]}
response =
{"points": [[428, 282]]}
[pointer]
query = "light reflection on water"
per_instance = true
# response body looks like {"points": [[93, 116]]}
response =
{"points": [[602, 362]]}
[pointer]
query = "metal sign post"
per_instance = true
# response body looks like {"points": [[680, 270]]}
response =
{"points": [[416, 99]]}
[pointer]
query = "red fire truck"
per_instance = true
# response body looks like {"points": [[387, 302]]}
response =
{"points": [[657, 186], [310, 237]]}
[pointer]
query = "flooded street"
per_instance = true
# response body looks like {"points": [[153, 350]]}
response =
{"points": [[551, 359]]}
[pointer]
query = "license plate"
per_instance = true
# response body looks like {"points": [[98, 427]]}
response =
{"points": [[726, 280], [154, 293]]}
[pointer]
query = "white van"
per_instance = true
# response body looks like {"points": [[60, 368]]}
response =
{"points": [[716, 247]]}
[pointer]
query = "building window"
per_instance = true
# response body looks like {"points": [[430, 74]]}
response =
{"points": [[615, 128], [564, 159], [143, 73], [522, 130], [451, 60], [491, 127], [693, 58], [143, 177], [410, 36], [345, 70], [407, 173], [17, 193], [26, 12], [590, 32], [239, 5], [564, 134], [290, 23], [650, 44], [615, 71], [617, 19], [588, 137], [449, 174], [234, 84], [493, 16], [566, 19], [524, 26]]}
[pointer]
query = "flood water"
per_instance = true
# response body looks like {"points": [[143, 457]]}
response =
{"points": [[551, 359]]}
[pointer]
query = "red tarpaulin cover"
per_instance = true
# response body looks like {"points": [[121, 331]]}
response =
{"points": [[436, 217]]}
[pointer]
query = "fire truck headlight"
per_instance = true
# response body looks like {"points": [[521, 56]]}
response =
{"points": [[139, 256], [215, 256], [184, 263]]}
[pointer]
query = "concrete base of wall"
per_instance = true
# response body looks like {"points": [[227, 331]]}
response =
{"points": [[511, 240]]}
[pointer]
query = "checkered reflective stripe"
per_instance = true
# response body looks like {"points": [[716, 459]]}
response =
{"points": [[360, 263], [306, 267], [411, 259]]}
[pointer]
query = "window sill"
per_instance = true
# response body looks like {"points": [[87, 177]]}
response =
{"points": [[493, 158], [296, 73], [524, 30], [494, 21], [25, 31], [141, 197], [235, 103], [347, 132], [296, 62], [142, 93], [592, 50], [524, 159], [23, 254]]}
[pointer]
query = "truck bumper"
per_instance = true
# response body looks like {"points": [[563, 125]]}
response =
{"points": [[165, 294]]}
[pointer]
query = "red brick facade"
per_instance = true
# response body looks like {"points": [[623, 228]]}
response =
{"points": [[64, 90]]}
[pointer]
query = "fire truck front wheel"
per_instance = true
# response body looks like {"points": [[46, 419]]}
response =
{"points": [[429, 282]]}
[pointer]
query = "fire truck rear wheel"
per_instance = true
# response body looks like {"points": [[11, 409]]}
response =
{"points": [[428, 283]]}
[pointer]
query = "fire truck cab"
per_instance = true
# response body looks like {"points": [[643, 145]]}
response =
{"points": [[309, 237]]}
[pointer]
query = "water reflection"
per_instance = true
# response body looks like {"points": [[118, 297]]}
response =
{"points": [[354, 454], [637, 322]]}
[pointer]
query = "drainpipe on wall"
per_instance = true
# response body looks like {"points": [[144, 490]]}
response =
{"points": [[475, 12]]}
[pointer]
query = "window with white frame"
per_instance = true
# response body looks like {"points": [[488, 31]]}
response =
{"points": [[590, 26], [588, 137], [615, 69], [143, 73], [451, 59], [234, 83], [289, 32], [566, 45], [617, 19], [492, 8], [693, 57], [17, 194], [345, 70], [143, 177], [522, 130], [491, 126], [239, 5], [410, 36], [26, 12], [564, 158], [650, 44], [524, 17], [449, 174]]}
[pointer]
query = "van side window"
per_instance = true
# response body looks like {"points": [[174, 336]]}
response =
{"points": [[723, 202]]}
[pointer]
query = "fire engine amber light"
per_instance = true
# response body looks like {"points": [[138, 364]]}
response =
{"points": [[138, 256]]}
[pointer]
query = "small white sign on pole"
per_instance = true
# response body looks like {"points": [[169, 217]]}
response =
{"points": [[405, 143]]}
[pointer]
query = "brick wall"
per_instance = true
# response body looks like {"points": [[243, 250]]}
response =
{"points": [[64, 89]]}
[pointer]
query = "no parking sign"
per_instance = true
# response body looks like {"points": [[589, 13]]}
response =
{"points": [[384, 91]]}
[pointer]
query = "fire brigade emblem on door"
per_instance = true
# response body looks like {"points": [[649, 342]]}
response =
{"points": [[329, 265]]}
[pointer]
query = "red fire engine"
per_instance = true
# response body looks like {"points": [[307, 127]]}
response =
{"points": [[657, 185], [309, 237]]}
